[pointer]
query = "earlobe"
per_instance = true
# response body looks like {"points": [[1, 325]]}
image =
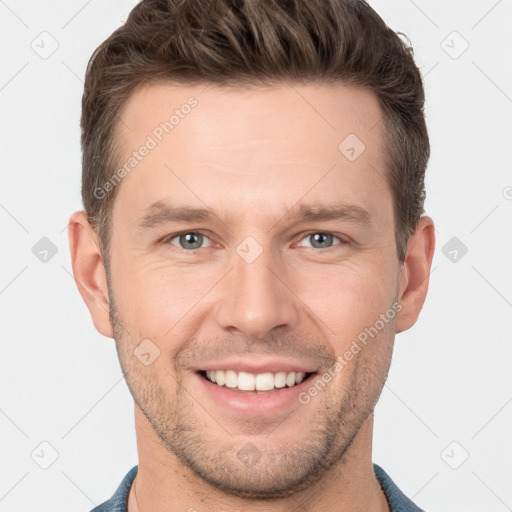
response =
{"points": [[415, 273], [89, 271]]}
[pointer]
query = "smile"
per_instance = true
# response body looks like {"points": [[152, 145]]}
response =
{"points": [[260, 382]]}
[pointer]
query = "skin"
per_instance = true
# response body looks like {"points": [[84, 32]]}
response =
{"points": [[253, 156]]}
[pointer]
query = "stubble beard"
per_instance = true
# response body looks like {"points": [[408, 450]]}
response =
{"points": [[277, 470]]}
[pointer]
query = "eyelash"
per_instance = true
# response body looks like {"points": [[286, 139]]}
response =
{"points": [[167, 240]]}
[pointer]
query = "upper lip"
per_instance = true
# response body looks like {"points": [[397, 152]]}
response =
{"points": [[254, 366]]}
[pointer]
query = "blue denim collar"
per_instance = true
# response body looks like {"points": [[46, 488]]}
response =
{"points": [[398, 501]]}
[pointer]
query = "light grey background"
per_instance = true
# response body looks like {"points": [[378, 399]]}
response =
{"points": [[449, 392]]}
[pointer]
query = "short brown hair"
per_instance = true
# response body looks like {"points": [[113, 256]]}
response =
{"points": [[257, 42]]}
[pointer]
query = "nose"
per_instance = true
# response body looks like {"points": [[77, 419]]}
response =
{"points": [[257, 298]]}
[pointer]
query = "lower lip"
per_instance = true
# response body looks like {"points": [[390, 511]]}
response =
{"points": [[252, 403]]}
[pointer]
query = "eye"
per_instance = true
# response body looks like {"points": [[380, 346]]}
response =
{"points": [[321, 240], [189, 240]]}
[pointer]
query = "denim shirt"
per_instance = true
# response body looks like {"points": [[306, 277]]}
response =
{"points": [[398, 501]]}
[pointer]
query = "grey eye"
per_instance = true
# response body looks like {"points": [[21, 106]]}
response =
{"points": [[320, 240], [189, 240]]}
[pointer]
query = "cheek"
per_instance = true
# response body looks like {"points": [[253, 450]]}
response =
{"points": [[154, 297], [157, 298], [346, 299]]}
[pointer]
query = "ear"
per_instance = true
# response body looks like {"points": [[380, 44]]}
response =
{"points": [[415, 273], [89, 271]]}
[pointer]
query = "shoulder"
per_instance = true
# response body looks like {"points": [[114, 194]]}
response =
{"points": [[119, 501], [397, 500]]}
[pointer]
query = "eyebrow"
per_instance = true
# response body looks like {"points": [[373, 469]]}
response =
{"points": [[347, 212], [160, 213]]}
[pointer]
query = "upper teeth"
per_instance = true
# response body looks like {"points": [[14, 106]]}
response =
{"points": [[251, 382]]}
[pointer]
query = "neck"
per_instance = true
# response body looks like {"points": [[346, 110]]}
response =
{"points": [[163, 481]]}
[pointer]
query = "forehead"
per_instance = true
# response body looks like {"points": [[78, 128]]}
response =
{"points": [[272, 144], [328, 109]]}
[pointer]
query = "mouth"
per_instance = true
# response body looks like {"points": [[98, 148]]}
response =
{"points": [[255, 383], [243, 388]]}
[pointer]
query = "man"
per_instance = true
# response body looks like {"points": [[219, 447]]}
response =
{"points": [[253, 239]]}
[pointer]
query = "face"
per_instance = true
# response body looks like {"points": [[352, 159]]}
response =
{"points": [[253, 245]]}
